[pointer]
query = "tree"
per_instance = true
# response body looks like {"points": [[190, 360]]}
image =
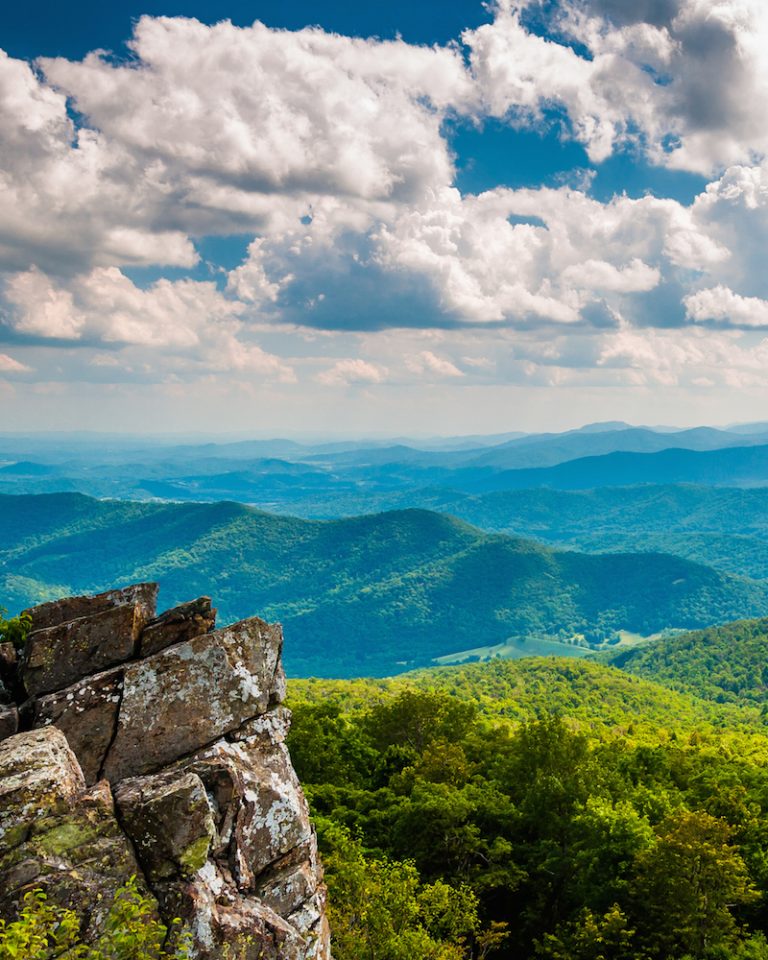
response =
{"points": [[550, 776], [688, 884], [326, 747], [380, 910], [591, 937], [415, 718], [44, 931]]}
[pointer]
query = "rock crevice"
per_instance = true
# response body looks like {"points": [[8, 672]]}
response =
{"points": [[154, 746]]}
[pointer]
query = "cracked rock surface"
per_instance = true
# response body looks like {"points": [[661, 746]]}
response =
{"points": [[154, 746]]}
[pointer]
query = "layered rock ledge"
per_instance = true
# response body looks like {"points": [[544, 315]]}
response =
{"points": [[137, 744]]}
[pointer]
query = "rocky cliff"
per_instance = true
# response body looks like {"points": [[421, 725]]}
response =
{"points": [[137, 744]]}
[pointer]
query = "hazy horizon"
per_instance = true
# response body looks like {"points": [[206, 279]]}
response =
{"points": [[320, 437]]}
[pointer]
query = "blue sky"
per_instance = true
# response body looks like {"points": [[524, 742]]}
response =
{"points": [[54, 29], [442, 218]]}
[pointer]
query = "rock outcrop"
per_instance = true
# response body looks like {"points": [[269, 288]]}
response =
{"points": [[137, 744]]}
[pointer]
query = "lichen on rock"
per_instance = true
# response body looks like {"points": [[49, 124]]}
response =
{"points": [[154, 746], [170, 819], [55, 832]]}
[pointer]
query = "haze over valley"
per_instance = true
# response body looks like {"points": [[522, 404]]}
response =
{"points": [[381, 557]]}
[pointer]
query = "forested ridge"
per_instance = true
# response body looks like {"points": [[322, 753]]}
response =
{"points": [[371, 595], [555, 808], [727, 664]]}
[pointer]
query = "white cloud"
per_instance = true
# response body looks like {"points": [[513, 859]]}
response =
{"points": [[353, 371], [722, 305], [483, 268], [632, 277], [687, 357], [521, 75], [9, 365], [574, 252], [427, 362], [42, 309], [250, 281], [70, 197], [688, 87], [330, 152], [212, 129], [105, 306], [513, 257], [733, 211], [272, 111], [188, 323]]}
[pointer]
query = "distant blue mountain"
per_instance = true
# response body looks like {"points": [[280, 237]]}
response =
{"points": [[27, 468], [344, 478], [737, 466], [549, 449]]}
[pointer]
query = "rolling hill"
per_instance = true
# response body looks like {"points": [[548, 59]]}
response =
{"points": [[727, 664], [723, 527], [544, 450], [586, 692], [367, 595]]}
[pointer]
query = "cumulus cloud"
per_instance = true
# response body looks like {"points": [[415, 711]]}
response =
{"points": [[274, 111], [512, 257], [633, 277], [67, 196], [684, 80], [331, 154], [464, 260], [353, 371], [428, 362], [403, 365], [188, 320], [251, 282], [522, 76], [721, 305], [216, 129], [212, 130], [687, 357], [572, 253], [42, 309], [105, 306], [733, 211]]}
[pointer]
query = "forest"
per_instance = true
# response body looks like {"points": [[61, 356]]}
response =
{"points": [[373, 595], [538, 809]]}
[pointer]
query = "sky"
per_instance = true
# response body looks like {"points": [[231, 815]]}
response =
{"points": [[382, 218]]}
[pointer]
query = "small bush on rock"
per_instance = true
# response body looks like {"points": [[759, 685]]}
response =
{"points": [[14, 630], [44, 931]]}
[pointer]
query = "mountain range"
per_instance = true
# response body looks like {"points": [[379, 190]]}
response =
{"points": [[343, 478], [373, 595]]}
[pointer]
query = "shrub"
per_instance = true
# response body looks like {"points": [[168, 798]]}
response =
{"points": [[14, 630], [45, 931]]}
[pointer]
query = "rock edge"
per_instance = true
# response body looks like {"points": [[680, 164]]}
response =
{"points": [[138, 744]]}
